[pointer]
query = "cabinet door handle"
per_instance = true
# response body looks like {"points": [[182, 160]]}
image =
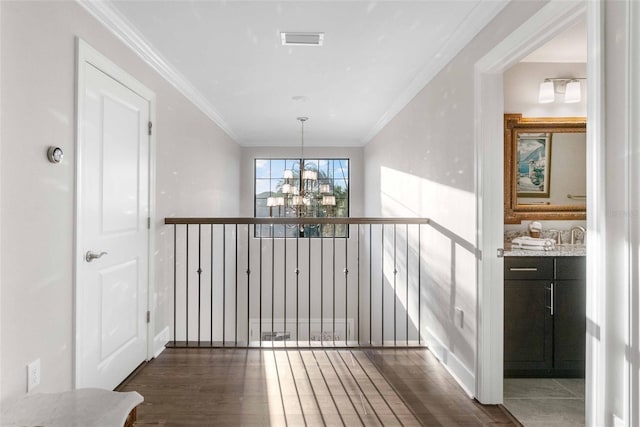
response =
{"points": [[523, 269], [550, 307]]}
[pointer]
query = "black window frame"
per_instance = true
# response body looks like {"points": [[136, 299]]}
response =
{"points": [[309, 231]]}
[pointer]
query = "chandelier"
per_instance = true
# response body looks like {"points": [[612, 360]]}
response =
{"points": [[305, 192]]}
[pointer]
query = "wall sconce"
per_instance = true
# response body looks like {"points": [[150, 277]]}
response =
{"points": [[569, 86]]}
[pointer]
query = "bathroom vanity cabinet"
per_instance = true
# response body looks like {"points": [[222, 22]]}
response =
{"points": [[544, 316]]}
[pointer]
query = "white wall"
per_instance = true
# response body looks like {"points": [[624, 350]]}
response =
{"points": [[1, 116], [620, 190], [522, 83], [268, 279], [422, 164], [197, 166], [262, 278]]}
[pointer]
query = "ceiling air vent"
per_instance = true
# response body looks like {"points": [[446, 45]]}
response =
{"points": [[302, 39]]}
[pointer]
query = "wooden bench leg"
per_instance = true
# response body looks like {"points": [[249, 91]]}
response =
{"points": [[131, 419]]}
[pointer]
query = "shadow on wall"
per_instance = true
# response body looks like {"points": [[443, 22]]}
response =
{"points": [[448, 258]]}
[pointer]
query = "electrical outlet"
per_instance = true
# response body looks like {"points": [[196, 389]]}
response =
{"points": [[33, 375], [460, 317]]}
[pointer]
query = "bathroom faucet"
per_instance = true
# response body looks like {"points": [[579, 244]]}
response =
{"points": [[573, 233]]}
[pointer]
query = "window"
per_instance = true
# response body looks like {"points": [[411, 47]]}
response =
{"points": [[323, 192]]}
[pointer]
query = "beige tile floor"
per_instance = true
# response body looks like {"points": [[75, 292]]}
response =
{"points": [[549, 402]]}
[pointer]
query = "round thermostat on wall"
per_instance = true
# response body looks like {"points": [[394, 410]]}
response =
{"points": [[55, 154]]}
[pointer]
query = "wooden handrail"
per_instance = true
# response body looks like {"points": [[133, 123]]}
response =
{"points": [[296, 221]]}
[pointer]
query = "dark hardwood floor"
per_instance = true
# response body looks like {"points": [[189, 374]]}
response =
{"points": [[238, 387]]}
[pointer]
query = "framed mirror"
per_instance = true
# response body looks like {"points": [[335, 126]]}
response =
{"points": [[544, 168]]}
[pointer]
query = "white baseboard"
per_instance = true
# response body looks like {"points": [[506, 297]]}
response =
{"points": [[618, 422], [159, 341], [463, 375]]}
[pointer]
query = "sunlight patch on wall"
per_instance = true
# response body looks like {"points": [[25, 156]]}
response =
{"points": [[447, 251], [404, 194]]}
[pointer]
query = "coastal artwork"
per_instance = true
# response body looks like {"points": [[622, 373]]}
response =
{"points": [[534, 163]]}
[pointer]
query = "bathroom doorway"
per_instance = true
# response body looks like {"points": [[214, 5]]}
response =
{"points": [[545, 259]]}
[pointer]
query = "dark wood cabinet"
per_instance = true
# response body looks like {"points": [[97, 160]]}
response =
{"points": [[544, 316], [570, 316], [528, 324]]}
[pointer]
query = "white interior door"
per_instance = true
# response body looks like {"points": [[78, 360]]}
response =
{"points": [[112, 229]]}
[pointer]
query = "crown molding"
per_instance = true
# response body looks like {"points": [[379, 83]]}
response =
{"points": [[125, 31], [475, 21]]}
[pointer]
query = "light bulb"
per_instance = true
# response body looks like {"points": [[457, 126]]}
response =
{"points": [[547, 92], [329, 200], [572, 94], [310, 174]]}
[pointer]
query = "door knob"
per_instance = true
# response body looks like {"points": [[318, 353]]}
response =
{"points": [[90, 256]]}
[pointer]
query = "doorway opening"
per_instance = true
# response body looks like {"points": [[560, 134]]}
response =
{"points": [[551, 20], [545, 291]]}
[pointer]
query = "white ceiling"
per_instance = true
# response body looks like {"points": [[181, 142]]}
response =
{"points": [[568, 46], [227, 57]]}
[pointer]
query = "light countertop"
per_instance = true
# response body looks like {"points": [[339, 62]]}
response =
{"points": [[560, 250]]}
